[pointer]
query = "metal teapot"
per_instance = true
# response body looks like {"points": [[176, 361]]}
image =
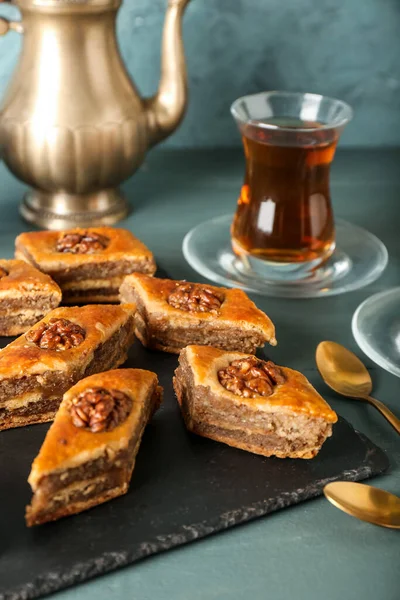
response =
{"points": [[72, 123]]}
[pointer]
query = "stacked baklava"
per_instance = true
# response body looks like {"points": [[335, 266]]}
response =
{"points": [[63, 365]]}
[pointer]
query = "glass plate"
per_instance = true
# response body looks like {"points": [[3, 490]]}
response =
{"points": [[376, 328], [359, 259]]}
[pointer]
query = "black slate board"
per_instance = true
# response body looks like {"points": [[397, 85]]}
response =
{"points": [[183, 488]]}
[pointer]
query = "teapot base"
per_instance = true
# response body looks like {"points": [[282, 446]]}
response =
{"points": [[60, 210]]}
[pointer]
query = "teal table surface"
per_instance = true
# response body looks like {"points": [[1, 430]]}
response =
{"points": [[310, 551]]}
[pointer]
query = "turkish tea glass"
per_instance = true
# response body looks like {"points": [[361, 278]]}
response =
{"points": [[284, 228]]}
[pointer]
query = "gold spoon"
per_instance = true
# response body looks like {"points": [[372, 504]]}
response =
{"points": [[346, 374], [365, 502]]}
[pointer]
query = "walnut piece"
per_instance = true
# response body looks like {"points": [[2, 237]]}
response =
{"points": [[57, 334], [3, 273], [193, 297], [78, 243], [98, 409], [251, 377]]}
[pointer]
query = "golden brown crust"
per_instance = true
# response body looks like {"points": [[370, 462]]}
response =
{"points": [[40, 247], [236, 310], [67, 446], [295, 395], [23, 278], [21, 358]]}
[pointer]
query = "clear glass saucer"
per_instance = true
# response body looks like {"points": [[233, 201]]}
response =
{"points": [[376, 328], [359, 259]]}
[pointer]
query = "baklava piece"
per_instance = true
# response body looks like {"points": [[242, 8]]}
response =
{"points": [[89, 452], [172, 314], [251, 404], [26, 296], [88, 264], [64, 347]]}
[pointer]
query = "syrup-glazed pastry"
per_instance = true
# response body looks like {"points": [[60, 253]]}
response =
{"points": [[88, 264], [26, 296], [89, 452], [251, 404], [172, 314]]}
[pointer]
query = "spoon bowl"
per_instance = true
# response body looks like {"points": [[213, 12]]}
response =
{"points": [[365, 502], [346, 374], [342, 370]]}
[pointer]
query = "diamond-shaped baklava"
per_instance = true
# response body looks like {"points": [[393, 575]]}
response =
{"points": [[251, 404], [64, 347], [26, 296], [172, 314], [89, 452], [88, 264]]}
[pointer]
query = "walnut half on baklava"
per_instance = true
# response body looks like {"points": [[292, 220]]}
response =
{"points": [[26, 296], [64, 347], [172, 314], [89, 452], [251, 404], [88, 264]]}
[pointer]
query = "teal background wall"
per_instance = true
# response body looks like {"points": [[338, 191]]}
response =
{"points": [[345, 48]]}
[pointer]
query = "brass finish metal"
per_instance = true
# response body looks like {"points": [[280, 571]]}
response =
{"points": [[365, 502], [6, 25], [73, 125], [346, 374], [38, 208]]}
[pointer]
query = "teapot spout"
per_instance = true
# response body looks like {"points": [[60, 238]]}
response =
{"points": [[166, 109]]}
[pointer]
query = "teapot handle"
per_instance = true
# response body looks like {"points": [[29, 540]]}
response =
{"points": [[6, 25]]}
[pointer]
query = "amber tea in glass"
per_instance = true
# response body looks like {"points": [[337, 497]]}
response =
{"points": [[284, 226]]}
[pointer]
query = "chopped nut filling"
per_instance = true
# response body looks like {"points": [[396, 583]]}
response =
{"points": [[251, 377], [57, 334], [193, 297], [77, 243], [98, 409]]}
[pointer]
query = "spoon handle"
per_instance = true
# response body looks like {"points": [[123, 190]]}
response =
{"points": [[393, 420]]}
